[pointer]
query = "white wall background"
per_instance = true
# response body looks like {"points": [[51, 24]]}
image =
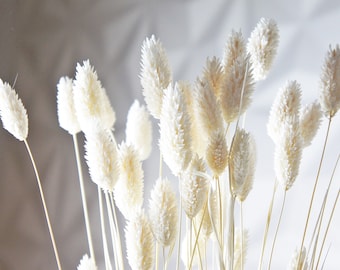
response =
{"points": [[43, 40]]}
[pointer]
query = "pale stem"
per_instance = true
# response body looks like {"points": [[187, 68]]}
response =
{"points": [[326, 232], [231, 231], [112, 229], [179, 232], [314, 188], [277, 228], [83, 197], [156, 254], [44, 205], [269, 215], [241, 223], [119, 245], [102, 222]]}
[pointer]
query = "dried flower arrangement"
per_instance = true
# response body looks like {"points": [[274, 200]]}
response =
{"points": [[202, 142]]}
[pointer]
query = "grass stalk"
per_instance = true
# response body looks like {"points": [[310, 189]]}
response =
{"points": [[44, 205], [277, 228], [83, 197]]}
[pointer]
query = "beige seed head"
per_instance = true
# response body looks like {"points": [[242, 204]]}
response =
{"points": [[213, 73], [287, 156], [129, 190], [175, 143], [139, 242], [101, 157], [90, 99], [217, 152], [330, 82], [207, 108], [284, 112], [65, 106], [238, 85], [242, 164], [155, 74], [262, 46], [139, 130], [163, 212], [310, 119], [194, 188], [12, 112]]}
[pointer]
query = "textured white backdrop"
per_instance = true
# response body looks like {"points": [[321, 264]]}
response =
{"points": [[43, 40]]}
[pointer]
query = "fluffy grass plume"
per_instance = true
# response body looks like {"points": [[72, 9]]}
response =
{"points": [[207, 108], [310, 119], [238, 83], [194, 188], [242, 163], [155, 74], [295, 263], [163, 212], [91, 101], [217, 153], [86, 263], [101, 157], [65, 106], [174, 142], [284, 112], [129, 190], [330, 82], [139, 242], [213, 73], [12, 112], [262, 46], [139, 130]]}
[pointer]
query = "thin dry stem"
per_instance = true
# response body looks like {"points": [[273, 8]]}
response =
{"points": [[270, 210], [277, 228], [83, 197], [314, 188], [44, 205]]}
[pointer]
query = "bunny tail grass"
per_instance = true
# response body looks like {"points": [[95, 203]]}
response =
{"points": [[83, 197], [44, 204]]}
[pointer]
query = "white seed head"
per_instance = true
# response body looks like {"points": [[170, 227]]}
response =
{"points": [[238, 85], [207, 109], [242, 164], [90, 99], [155, 74], [87, 263], [12, 112], [287, 156], [163, 212], [174, 142], [217, 152], [129, 190], [330, 82], [65, 106], [310, 119], [194, 188], [101, 157], [285, 110], [262, 47], [213, 73], [139, 242], [139, 130], [295, 263]]}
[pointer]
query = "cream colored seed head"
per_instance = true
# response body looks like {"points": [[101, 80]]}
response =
{"points": [[163, 212], [87, 263], [12, 112], [139, 242], [155, 74], [217, 152]]}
